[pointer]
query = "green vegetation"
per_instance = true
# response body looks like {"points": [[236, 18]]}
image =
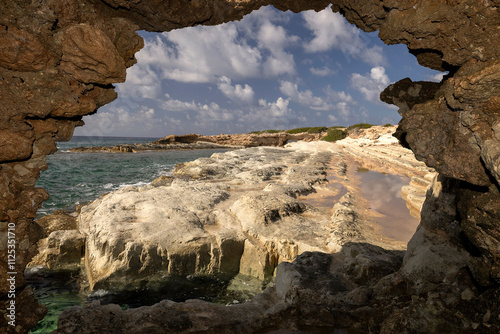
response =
{"points": [[387, 125], [359, 126], [316, 129], [266, 131], [334, 134]]}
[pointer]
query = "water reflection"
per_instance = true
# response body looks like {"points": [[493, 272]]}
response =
{"points": [[383, 193]]}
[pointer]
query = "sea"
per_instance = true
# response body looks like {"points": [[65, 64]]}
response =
{"points": [[79, 178]]}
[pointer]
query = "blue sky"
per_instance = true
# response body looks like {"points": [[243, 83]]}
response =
{"points": [[271, 70]]}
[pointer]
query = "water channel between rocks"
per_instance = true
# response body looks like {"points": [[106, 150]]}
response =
{"points": [[383, 193]]}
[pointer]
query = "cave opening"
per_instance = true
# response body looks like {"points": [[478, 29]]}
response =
{"points": [[314, 67], [53, 74]]}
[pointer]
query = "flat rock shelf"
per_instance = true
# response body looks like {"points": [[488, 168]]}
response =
{"points": [[219, 227]]}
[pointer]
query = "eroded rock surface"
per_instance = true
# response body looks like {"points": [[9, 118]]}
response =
{"points": [[240, 212], [46, 88]]}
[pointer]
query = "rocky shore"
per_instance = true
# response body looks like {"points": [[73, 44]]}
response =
{"points": [[261, 213], [197, 142]]}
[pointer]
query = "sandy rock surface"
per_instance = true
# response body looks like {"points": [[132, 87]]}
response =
{"points": [[239, 212]]}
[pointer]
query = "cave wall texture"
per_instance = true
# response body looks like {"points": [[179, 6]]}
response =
{"points": [[59, 59]]}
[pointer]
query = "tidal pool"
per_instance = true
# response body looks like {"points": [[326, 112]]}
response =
{"points": [[383, 193]]}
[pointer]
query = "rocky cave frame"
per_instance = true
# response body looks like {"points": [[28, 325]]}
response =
{"points": [[59, 59]]}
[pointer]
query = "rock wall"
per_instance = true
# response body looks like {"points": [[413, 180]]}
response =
{"points": [[59, 59]]}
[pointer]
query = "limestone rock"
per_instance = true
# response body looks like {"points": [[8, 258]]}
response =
{"points": [[22, 51], [61, 244], [242, 139], [178, 228], [57, 221], [135, 233], [89, 56], [61, 250], [444, 148], [15, 146]]}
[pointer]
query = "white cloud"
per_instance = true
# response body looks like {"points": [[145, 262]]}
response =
{"points": [[275, 39], [372, 84], [343, 110], [142, 82], [322, 72], [334, 95], [332, 118], [275, 109], [437, 77], [332, 31], [123, 120], [252, 48], [305, 98], [176, 105], [236, 92]]}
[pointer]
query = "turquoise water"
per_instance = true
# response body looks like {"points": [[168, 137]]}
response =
{"points": [[78, 178]]}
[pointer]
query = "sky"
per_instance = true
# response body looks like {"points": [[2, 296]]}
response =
{"points": [[271, 70]]}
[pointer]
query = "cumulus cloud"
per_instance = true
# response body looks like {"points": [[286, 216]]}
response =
{"points": [[305, 98], [371, 84], [119, 120], [204, 117], [236, 92], [437, 77], [322, 71], [254, 47], [332, 31], [176, 105], [275, 39], [275, 109], [142, 82]]}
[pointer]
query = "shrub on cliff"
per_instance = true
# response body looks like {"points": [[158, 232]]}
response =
{"points": [[334, 134], [266, 131], [309, 129], [359, 126]]}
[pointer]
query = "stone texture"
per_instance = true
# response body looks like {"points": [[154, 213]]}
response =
{"points": [[89, 56], [240, 212], [406, 93], [243, 139], [214, 226], [60, 251], [22, 51]]}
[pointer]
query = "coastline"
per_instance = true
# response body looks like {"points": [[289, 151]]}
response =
{"points": [[248, 208], [195, 142]]}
